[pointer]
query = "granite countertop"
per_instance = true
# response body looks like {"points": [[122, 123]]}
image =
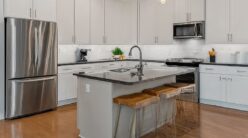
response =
{"points": [[126, 78], [226, 64], [109, 60]]}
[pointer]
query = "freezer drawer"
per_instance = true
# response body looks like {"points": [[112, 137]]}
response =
{"points": [[30, 96]]}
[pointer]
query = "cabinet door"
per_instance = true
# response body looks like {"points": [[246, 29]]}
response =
{"points": [[67, 86], [197, 10], [212, 87], [148, 17], [18, 8], [45, 10], [82, 21], [164, 22], [181, 11], [97, 22], [121, 21], [239, 21], [217, 21], [65, 20], [237, 90]]}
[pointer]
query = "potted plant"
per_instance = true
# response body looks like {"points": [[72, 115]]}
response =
{"points": [[117, 53]]}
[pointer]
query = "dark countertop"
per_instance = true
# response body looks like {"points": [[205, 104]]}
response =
{"points": [[103, 61], [127, 79], [226, 64]]}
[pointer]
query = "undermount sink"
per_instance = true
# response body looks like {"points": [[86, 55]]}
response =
{"points": [[120, 70]]}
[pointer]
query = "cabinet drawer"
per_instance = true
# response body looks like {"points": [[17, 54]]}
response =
{"points": [[74, 68], [239, 71], [213, 69]]}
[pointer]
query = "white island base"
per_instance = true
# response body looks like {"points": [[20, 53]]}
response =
{"points": [[96, 111]]}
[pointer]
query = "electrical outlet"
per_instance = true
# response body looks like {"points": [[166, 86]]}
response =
{"points": [[87, 88]]}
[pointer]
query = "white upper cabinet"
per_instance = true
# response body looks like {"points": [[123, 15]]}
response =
{"points": [[217, 21], [147, 24], [121, 21], [156, 22], [197, 10], [189, 10], [45, 10], [31, 9], [238, 21], [226, 21], [65, 20], [164, 24], [18, 8], [181, 11], [82, 22], [97, 22]]}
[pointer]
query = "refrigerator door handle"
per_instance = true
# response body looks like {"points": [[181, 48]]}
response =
{"points": [[35, 80], [36, 46]]}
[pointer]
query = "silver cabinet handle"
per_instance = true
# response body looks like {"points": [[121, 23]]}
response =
{"points": [[104, 39], [35, 13], [30, 12], [209, 69], [241, 71], [34, 80], [86, 68], [67, 69]]}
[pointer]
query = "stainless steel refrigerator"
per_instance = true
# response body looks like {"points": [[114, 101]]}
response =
{"points": [[31, 67]]}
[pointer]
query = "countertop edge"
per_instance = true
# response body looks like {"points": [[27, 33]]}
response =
{"points": [[105, 61], [225, 64], [129, 83]]}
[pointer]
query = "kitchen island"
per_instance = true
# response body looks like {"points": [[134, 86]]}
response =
{"points": [[96, 111]]}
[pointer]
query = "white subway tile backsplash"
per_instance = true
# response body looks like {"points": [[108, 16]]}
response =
{"points": [[185, 48]]}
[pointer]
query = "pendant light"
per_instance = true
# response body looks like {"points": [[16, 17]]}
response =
{"points": [[163, 1]]}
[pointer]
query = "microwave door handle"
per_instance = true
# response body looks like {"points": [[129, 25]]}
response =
{"points": [[195, 29]]}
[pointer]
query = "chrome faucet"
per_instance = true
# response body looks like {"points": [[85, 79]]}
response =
{"points": [[140, 67]]}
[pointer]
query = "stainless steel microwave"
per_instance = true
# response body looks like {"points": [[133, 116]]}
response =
{"points": [[189, 30]]}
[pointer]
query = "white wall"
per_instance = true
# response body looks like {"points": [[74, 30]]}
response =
{"points": [[1, 61], [182, 48]]}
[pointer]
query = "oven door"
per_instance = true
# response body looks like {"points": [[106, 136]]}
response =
{"points": [[191, 95]]}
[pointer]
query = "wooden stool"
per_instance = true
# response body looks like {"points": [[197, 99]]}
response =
{"points": [[165, 92], [135, 101], [185, 88]]}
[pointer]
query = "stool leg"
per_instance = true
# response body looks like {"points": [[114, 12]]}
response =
{"points": [[157, 112], [174, 116], [133, 126], [117, 120]]}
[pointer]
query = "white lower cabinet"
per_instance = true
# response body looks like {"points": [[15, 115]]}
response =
{"points": [[237, 90], [227, 88], [67, 86], [212, 87]]}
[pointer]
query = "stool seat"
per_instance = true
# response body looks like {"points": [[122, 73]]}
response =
{"points": [[137, 100], [183, 86], [167, 91]]}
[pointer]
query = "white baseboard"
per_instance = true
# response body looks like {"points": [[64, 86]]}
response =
{"points": [[225, 104], [1, 116], [68, 101]]}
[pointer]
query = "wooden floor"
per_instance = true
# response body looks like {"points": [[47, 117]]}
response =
{"points": [[197, 121]]}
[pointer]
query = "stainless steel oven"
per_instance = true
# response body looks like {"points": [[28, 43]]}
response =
{"points": [[188, 78]]}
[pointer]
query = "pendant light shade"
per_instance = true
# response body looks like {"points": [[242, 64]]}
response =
{"points": [[163, 1]]}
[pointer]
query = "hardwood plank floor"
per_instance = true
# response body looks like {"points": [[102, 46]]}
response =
{"points": [[197, 121]]}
